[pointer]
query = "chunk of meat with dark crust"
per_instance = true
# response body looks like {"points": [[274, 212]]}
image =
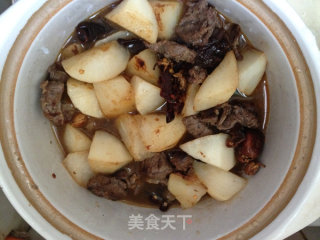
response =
{"points": [[197, 24], [196, 128], [174, 51], [234, 38], [236, 136], [55, 104], [251, 148], [131, 175], [157, 168], [108, 187], [51, 95], [56, 73], [118, 185], [68, 110], [197, 75], [181, 161], [222, 118], [227, 115], [94, 124]]}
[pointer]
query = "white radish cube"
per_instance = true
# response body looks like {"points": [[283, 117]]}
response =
{"points": [[222, 185], [251, 70], [74, 140], [107, 153], [115, 96], [211, 149], [136, 16], [128, 129], [144, 65], [83, 97], [147, 96], [188, 190], [78, 167]]}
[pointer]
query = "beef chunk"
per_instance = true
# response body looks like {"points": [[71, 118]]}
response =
{"points": [[197, 75], [157, 168], [52, 92], [251, 148], [248, 151], [197, 24], [180, 160], [108, 187], [222, 118], [196, 128], [68, 110], [236, 136], [55, 106], [174, 51], [227, 115], [118, 185], [233, 36], [56, 73], [131, 175], [242, 114], [94, 124]]}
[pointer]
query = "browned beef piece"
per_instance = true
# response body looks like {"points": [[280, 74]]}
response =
{"points": [[174, 51], [197, 24], [180, 160], [234, 38], [223, 118], [131, 175], [94, 124], [118, 185], [68, 110], [227, 115], [52, 92], [236, 136], [197, 75], [55, 107], [108, 187], [251, 148], [196, 128], [157, 168], [56, 73]]}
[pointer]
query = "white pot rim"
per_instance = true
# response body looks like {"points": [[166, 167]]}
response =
{"points": [[19, 14]]}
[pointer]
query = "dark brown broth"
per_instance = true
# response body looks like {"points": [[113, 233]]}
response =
{"points": [[259, 98]]}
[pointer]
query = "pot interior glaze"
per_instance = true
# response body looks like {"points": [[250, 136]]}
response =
{"points": [[33, 155]]}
